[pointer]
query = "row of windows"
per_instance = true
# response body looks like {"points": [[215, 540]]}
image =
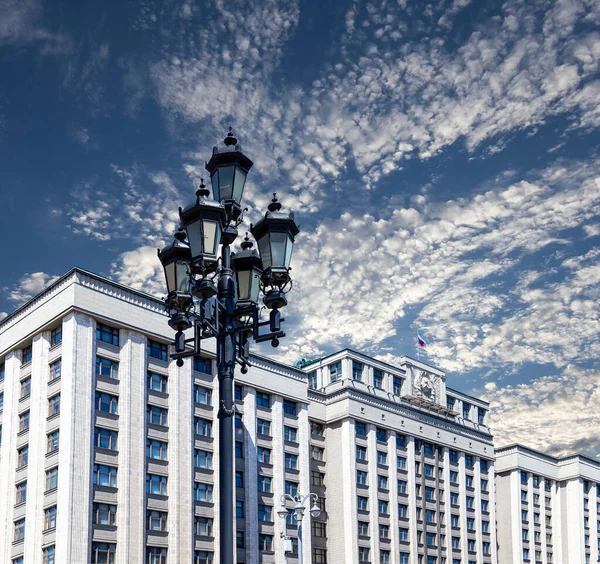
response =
{"points": [[51, 484]]}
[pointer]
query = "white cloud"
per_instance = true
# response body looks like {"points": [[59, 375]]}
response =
{"points": [[3, 314], [29, 286], [140, 269]]}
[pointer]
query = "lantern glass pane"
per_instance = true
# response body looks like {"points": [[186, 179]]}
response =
{"points": [[183, 281], [215, 186], [170, 276], [210, 237], [238, 184], [265, 251], [226, 182], [288, 251], [194, 233], [255, 286], [278, 243], [243, 280]]}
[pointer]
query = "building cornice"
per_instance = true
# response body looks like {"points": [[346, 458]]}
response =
{"points": [[277, 367]]}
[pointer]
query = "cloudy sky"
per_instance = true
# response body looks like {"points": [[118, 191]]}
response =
{"points": [[442, 160]]}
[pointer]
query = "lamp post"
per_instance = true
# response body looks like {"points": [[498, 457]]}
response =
{"points": [[298, 511], [217, 294]]}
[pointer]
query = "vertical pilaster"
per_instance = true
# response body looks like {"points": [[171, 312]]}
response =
{"points": [[477, 495], [373, 497], [493, 515], [412, 498], [543, 530], [216, 469], [181, 508], [393, 487], [462, 500], [73, 531], [515, 487], [278, 478], [38, 409], [447, 503], [593, 503], [8, 453], [348, 470], [251, 474], [304, 485]]}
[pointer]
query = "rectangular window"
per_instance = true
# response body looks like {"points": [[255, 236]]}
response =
{"points": [[466, 410], [50, 518], [450, 403], [453, 477], [103, 553], [203, 492], [382, 506], [357, 371], [156, 555], [319, 556], [156, 520], [238, 392], [319, 529], [203, 365], [157, 382], [312, 380], [400, 463], [335, 371], [156, 415], [107, 368], [480, 415], [48, 554], [291, 488], [56, 336], [264, 484], [361, 478], [104, 476], [107, 334], [25, 387], [382, 482], [21, 492], [202, 395], [104, 514], [156, 449], [363, 554], [265, 543], [202, 427], [19, 530], [106, 402], [468, 461], [239, 479], [290, 407], [239, 449], [203, 458], [239, 509], [360, 429], [203, 526], [52, 442], [263, 455], [290, 434], [291, 461], [381, 458], [361, 453], [24, 421], [317, 453], [2, 371], [362, 503], [263, 427], [397, 383], [156, 485], [23, 456], [158, 350], [453, 456], [265, 513], [263, 400], [402, 511], [54, 405], [402, 486], [55, 370], [381, 434], [317, 478], [203, 557], [105, 438], [377, 378], [27, 354], [403, 534]]}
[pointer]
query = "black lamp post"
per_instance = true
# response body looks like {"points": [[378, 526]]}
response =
{"points": [[219, 296]]}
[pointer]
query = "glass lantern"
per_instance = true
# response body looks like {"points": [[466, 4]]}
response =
{"points": [[248, 273]]}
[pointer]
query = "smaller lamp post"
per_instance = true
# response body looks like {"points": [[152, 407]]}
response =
{"points": [[298, 511]]}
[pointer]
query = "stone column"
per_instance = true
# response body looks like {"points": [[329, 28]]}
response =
{"points": [[493, 515], [462, 501], [412, 498], [304, 478], [393, 487], [477, 503], [278, 478], [372, 483], [251, 475]]}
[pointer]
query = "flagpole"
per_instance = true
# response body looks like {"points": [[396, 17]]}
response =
{"points": [[418, 347]]}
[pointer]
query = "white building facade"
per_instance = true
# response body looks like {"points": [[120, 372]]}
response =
{"points": [[549, 507], [107, 449]]}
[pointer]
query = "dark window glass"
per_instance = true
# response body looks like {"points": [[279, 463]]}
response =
{"points": [[202, 364], [107, 334], [157, 350], [56, 336]]}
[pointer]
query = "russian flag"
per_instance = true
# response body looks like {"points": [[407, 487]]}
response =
{"points": [[420, 340]]}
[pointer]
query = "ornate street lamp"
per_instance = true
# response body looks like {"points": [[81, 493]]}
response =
{"points": [[298, 512], [217, 293]]}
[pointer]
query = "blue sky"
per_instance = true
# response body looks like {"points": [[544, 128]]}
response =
{"points": [[442, 160]]}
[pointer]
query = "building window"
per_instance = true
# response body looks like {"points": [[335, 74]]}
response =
{"points": [[363, 554], [402, 511], [25, 387], [2, 371], [55, 370], [403, 534], [50, 518], [107, 334], [384, 555], [157, 382], [453, 477], [265, 513], [203, 526], [291, 488], [483, 465], [450, 403], [104, 514], [107, 368], [265, 543], [480, 415], [363, 529], [381, 458], [156, 484], [240, 539], [377, 378], [202, 395], [361, 453], [400, 441], [203, 557], [468, 461], [19, 530], [319, 529], [290, 434], [361, 477], [263, 400], [106, 402], [23, 456], [156, 555], [335, 371], [453, 456], [402, 486], [21, 492], [156, 520], [239, 479], [312, 380], [381, 434], [397, 385], [105, 476], [239, 509], [238, 392], [52, 479], [239, 449], [453, 498], [202, 364], [382, 482], [264, 484], [24, 421], [56, 336], [289, 407], [470, 524], [27, 354], [156, 415], [382, 507], [48, 555], [202, 427], [203, 492], [54, 405], [317, 453], [156, 449], [158, 350], [362, 503], [203, 458], [466, 410], [317, 429], [291, 461], [357, 371], [317, 478], [263, 455], [52, 442], [105, 438], [238, 421], [319, 556], [360, 429], [263, 427]]}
